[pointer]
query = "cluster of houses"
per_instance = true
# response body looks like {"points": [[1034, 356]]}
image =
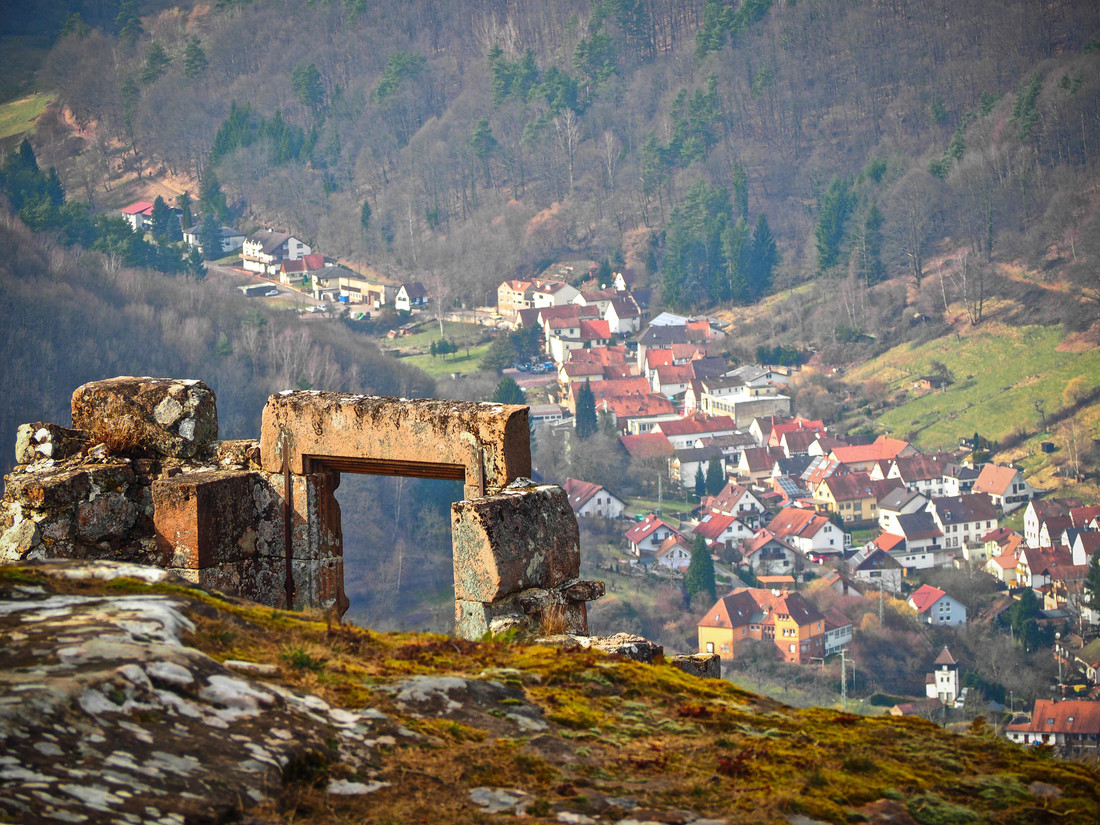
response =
{"points": [[283, 257]]}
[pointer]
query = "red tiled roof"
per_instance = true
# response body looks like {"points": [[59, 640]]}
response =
{"points": [[643, 529], [138, 208], [925, 596], [883, 447], [647, 445], [994, 479], [697, 424], [1070, 716], [595, 330], [713, 525], [580, 492], [888, 541]]}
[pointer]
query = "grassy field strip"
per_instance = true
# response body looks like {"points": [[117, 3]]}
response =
{"points": [[1000, 374], [18, 116]]}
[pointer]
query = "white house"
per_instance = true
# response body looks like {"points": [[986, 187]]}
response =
{"points": [[229, 238], [592, 500], [963, 519], [943, 682], [263, 251], [935, 607], [717, 528], [646, 537], [411, 296], [1006, 487]]}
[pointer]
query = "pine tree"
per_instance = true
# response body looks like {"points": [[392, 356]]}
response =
{"points": [[210, 238], [586, 423], [700, 481], [834, 208], [364, 217], [1092, 583], [716, 479], [763, 258], [194, 60], [162, 219], [699, 577], [509, 392]]}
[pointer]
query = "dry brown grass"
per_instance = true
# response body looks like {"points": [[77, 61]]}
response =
{"points": [[123, 436]]}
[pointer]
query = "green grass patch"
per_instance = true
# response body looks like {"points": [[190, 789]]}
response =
{"points": [[1000, 374], [18, 116], [470, 338]]}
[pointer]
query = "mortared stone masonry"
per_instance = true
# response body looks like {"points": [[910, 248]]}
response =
{"points": [[141, 477]]}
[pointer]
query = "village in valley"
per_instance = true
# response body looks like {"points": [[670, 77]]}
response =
{"points": [[781, 535]]}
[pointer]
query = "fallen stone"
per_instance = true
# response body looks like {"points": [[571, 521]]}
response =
{"points": [[703, 665]]}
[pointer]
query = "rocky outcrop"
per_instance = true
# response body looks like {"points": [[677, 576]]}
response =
{"points": [[128, 696]]}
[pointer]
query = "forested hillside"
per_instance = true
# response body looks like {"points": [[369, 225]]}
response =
{"points": [[466, 141]]}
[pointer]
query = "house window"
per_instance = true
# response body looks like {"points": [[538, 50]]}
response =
{"points": [[790, 648], [710, 647], [725, 648]]}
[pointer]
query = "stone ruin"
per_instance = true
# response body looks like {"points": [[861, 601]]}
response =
{"points": [[141, 477]]}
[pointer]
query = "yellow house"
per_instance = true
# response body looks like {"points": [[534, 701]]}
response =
{"points": [[854, 496], [787, 620]]}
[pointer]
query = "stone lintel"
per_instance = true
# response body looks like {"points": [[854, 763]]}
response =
{"points": [[486, 444], [523, 537]]}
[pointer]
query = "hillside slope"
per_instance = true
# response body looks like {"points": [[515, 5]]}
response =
{"points": [[141, 697]]}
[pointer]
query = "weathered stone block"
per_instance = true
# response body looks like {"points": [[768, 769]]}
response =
{"points": [[486, 444], [57, 488], [176, 418], [41, 441], [474, 619], [703, 665], [205, 519], [522, 538]]}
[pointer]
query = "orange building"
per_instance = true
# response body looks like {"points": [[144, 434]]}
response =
{"points": [[787, 620]]}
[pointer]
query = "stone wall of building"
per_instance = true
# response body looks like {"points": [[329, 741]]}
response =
{"points": [[142, 478]]}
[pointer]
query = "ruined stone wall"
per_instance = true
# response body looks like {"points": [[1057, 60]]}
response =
{"points": [[141, 477]]}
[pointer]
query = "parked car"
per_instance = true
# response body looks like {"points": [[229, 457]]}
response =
{"points": [[271, 293], [316, 309]]}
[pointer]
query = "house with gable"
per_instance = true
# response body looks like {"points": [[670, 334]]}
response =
{"points": [[853, 496], [592, 500], [737, 500], [936, 607], [1005, 486], [785, 619], [963, 520], [958, 479], [262, 252], [757, 463], [1034, 565], [623, 315], [513, 296], [1072, 726], [1003, 568], [920, 473], [1084, 546], [302, 270], [769, 556], [727, 531], [411, 296], [899, 502], [874, 566], [838, 631], [808, 532], [550, 293], [923, 542], [674, 553], [646, 536], [1039, 510]]}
